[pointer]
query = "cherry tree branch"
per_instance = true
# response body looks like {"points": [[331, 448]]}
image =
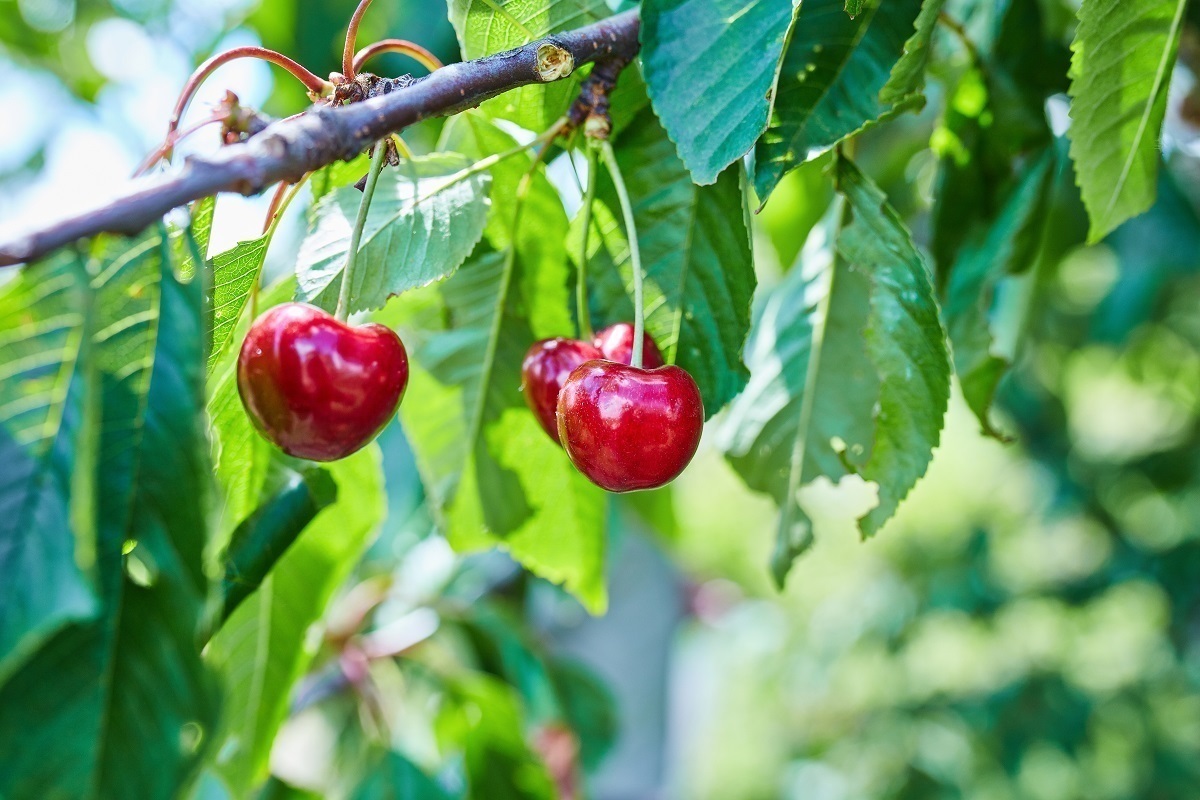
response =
{"points": [[289, 148]]}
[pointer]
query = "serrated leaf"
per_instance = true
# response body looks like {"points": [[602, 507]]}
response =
{"points": [[485, 27], [711, 68], [1124, 54], [266, 646], [82, 719], [493, 476], [541, 239], [849, 372], [696, 255], [908, 75], [834, 70], [423, 222], [1008, 247], [235, 274], [47, 448]]}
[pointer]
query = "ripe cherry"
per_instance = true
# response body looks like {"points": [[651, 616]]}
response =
{"points": [[317, 387], [545, 369], [616, 342], [627, 428]]}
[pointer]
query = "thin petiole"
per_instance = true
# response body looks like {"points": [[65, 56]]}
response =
{"points": [[635, 253], [581, 295], [377, 159], [348, 66], [411, 49]]}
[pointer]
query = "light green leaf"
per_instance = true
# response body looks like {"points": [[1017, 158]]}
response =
{"points": [[485, 27], [266, 646], [47, 449], [82, 719], [424, 221], [854, 7], [696, 255], [908, 75], [1124, 54], [1008, 247], [833, 72], [541, 238], [849, 372], [493, 475], [235, 274], [711, 68]]}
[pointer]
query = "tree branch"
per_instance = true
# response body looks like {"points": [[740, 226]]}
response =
{"points": [[288, 149]]}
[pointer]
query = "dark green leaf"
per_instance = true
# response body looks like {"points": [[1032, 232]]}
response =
{"points": [[47, 448], [84, 718], [854, 7], [1124, 56], [696, 255], [424, 220], [849, 369], [908, 75], [833, 72], [711, 68]]}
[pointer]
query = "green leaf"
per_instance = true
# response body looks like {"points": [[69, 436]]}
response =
{"points": [[493, 476], [541, 238], [908, 75], [849, 369], [235, 274], [47, 448], [266, 645], [854, 7], [711, 68], [1009, 247], [485, 27], [833, 72], [85, 718], [1124, 54], [424, 221], [397, 778], [696, 255]]}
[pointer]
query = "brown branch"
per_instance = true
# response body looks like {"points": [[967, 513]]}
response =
{"points": [[288, 149]]}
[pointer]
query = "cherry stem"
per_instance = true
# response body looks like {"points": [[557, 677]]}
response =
{"points": [[635, 253], [313, 83], [377, 159], [170, 142], [348, 67], [411, 49], [581, 296]]}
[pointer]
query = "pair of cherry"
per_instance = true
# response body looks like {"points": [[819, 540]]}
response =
{"points": [[321, 389], [626, 428]]}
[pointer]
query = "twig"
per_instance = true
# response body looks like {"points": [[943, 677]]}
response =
{"points": [[289, 148]]}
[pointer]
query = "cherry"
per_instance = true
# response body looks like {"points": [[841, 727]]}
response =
{"points": [[616, 342], [317, 387], [627, 428], [545, 369]]}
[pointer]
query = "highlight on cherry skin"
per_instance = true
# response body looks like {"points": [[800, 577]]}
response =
{"points": [[628, 429], [317, 387], [616, 343]]}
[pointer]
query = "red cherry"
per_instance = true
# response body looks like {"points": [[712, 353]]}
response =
{"points": [[545, 369], [627, 428], [616, 342], [318, 388]]}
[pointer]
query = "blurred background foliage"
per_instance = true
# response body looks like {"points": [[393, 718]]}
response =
{"points": [[1028, 626]]}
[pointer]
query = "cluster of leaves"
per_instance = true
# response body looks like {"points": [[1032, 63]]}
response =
{"points": [[162, 565]]}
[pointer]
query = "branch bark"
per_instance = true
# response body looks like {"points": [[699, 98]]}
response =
{"points": [[288, 149]]}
